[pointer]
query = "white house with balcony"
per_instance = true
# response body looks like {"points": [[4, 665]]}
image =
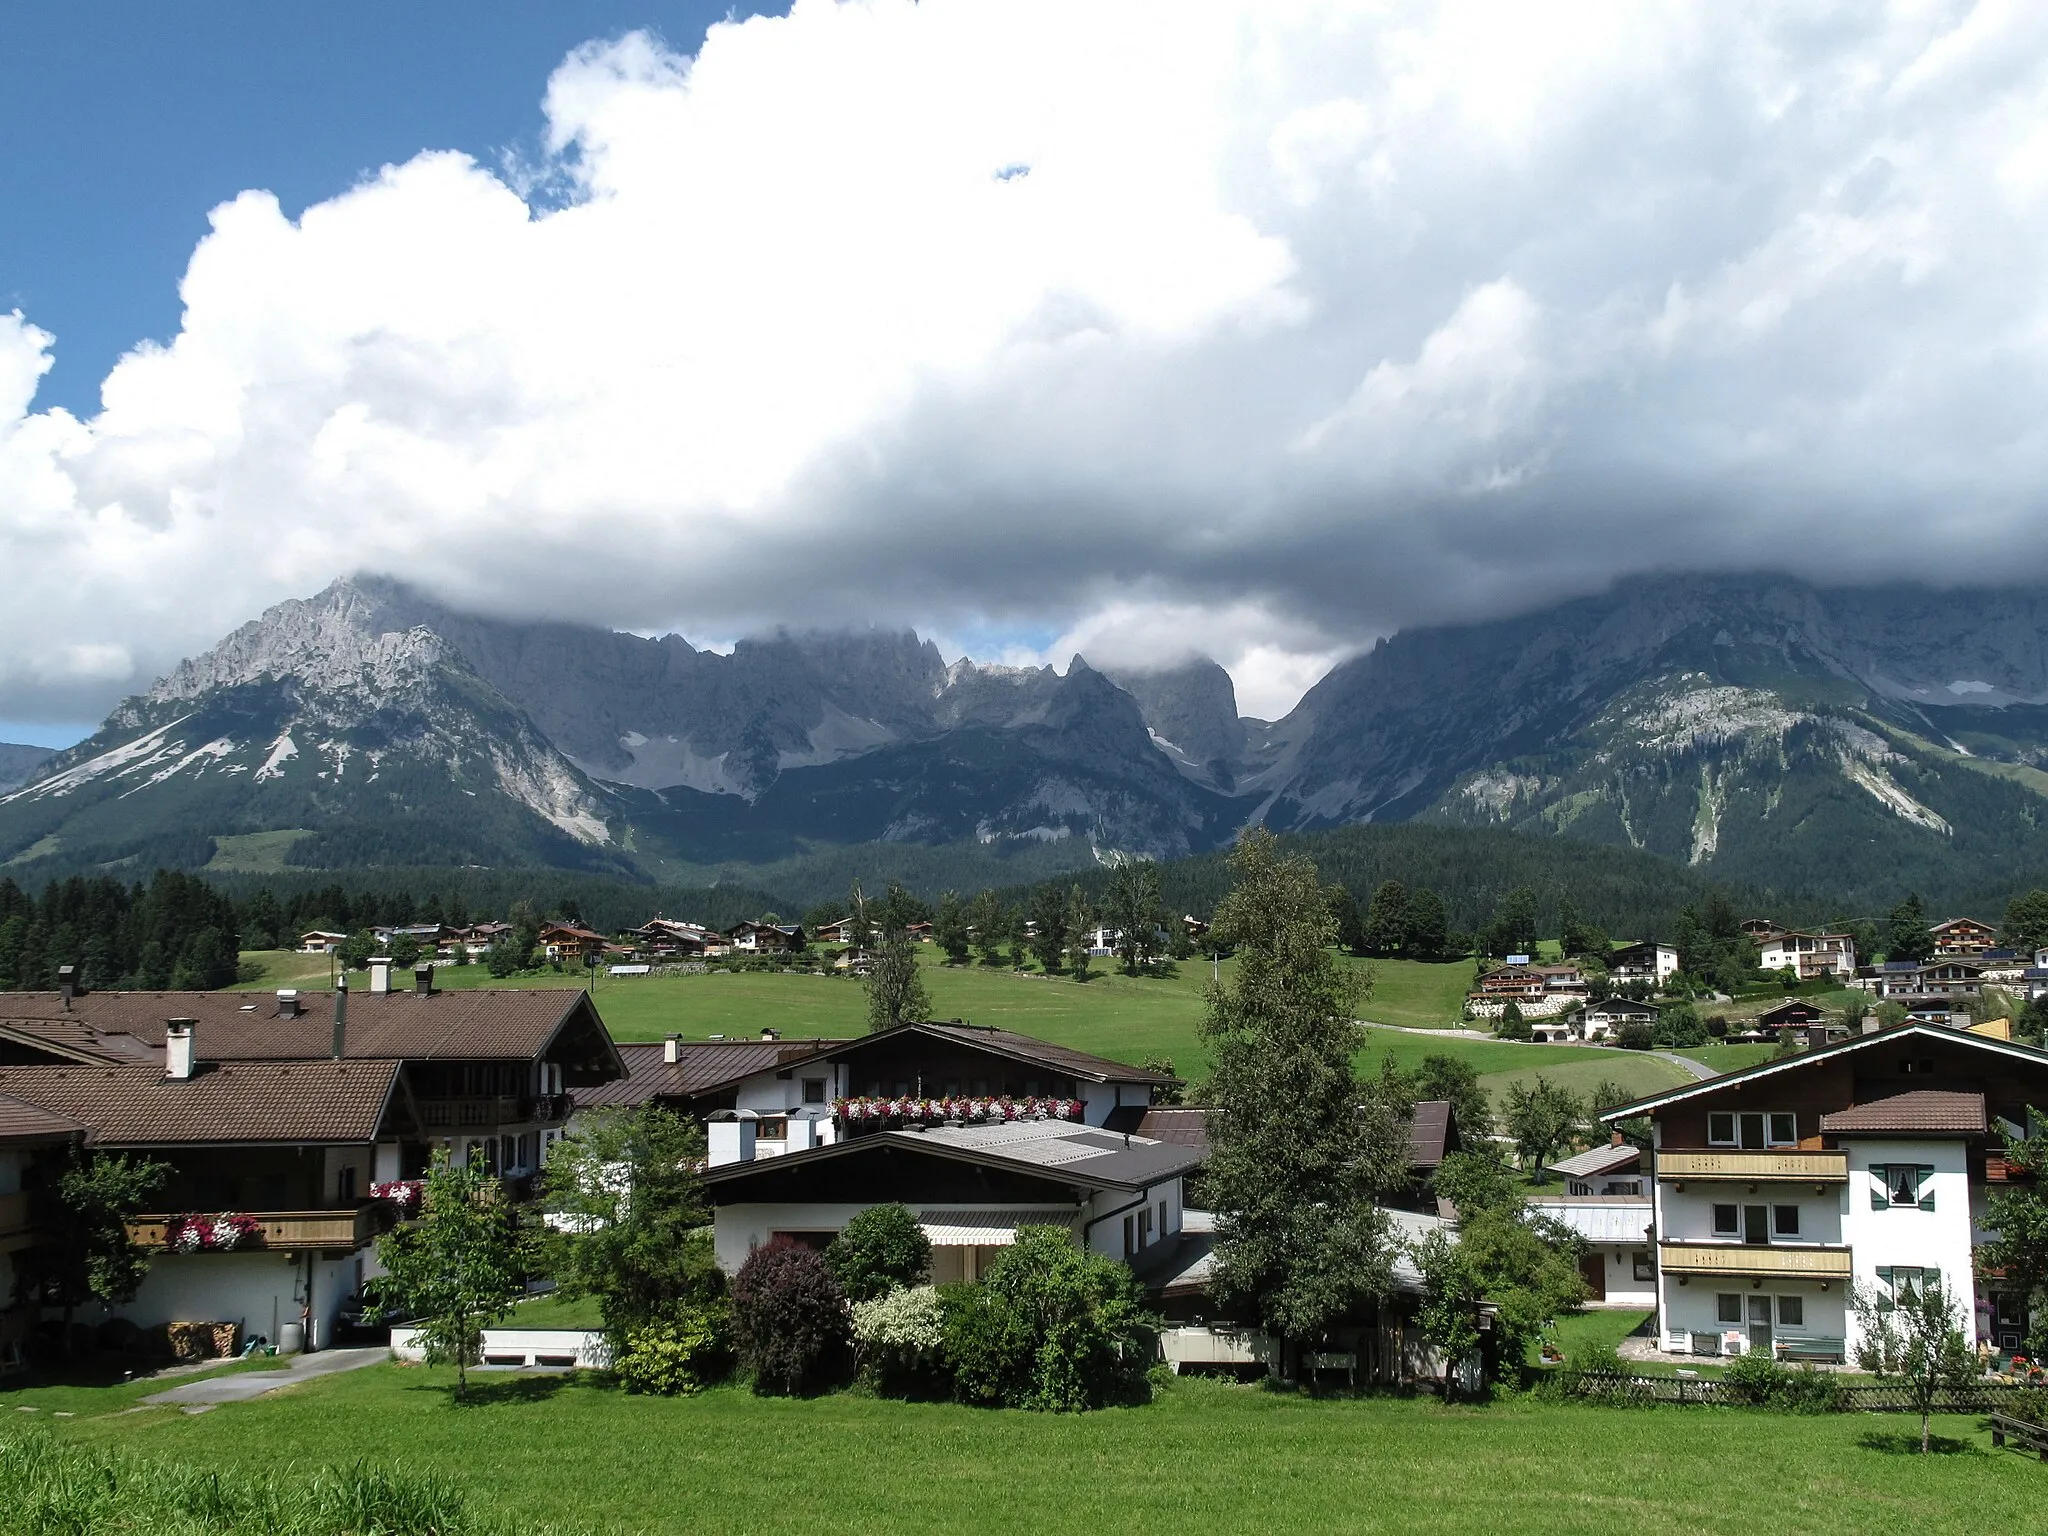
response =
{"points": [[1863, 1167]]}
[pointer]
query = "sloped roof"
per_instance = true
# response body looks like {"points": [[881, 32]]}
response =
{"points": [[1430, 1131], [1998, 1050], [232, 1103], [1181, 1125], [1598, 1160], [461, 1024], [1026, 1048], [21, 1121], [701, 1066], [1921, 1111]]}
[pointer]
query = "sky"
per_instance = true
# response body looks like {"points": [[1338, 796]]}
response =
{"points": [[1249, 328]]}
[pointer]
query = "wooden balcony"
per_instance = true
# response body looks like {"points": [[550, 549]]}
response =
{"points": [[14, 1228], [493, 1111], [1753, 1260], [1785, 1166], [341, 1231]]}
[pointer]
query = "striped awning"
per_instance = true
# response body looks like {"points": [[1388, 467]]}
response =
{"points": [[986, 1229]]}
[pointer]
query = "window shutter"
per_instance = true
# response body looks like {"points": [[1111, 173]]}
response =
{"points": [[1881, 1178], [1926, 1188]]}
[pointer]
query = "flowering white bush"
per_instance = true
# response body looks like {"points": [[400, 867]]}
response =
{"points": [[898, 1339]]}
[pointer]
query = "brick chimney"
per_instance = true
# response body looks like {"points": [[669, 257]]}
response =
{"points": [[178, 1048]]}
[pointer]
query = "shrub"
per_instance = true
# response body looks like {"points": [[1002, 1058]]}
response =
{"points": [[1634, 1037], [1051, 1327], [883, 1249], [1717, 1025], [900, 1339], [789, 1321], [683, 1355], [1512, 1025], [1809, 1389], [1753, 1378]]}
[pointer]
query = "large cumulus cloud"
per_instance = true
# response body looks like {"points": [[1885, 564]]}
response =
{"points": [[1255, 329]]}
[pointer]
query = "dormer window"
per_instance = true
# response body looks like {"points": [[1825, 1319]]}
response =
{"points": [[1752, 1130]]}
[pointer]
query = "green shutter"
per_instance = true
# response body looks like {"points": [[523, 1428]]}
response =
{"points": [[1926, 1175], [1882, 1176]]}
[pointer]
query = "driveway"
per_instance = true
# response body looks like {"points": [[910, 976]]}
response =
{"points": [[1699, 1070], [243, 1385]]}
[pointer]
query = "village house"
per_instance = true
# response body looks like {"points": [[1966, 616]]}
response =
{"points": [[1793, 1013], [293, 1125], [1963, 936], [1648, 962], [1537, 990], [318, 941], [1867, 1163], [664, 936], [568, 944], [1607, 1203], [766, 938], [1605, 1019], [1809, 955]]}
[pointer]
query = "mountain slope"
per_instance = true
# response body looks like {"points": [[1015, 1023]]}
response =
{"points": [[1759, 729], [19, 764]]}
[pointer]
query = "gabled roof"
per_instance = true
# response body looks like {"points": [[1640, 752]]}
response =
{"points": [[2004, 1050], [1790, 1006], [1016, 1047], [1923, 1110], [1055, 1150], [1623, 1005], [700, 1067], [462, 1024], [236, 1103]]}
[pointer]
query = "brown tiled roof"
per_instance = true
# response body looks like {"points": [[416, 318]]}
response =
{"points": [[233, 1103], [1025, 1048], [462, 1024], [1178, 1125], [1429, 1131], [21, 1121], [1924, 1109], [73, 1039], [701, 1066]]}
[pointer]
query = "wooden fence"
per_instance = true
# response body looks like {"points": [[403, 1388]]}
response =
{"points": [[1818, 1391]]}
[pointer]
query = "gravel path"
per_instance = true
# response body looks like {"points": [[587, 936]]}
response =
{"points": [[243, 1385]]}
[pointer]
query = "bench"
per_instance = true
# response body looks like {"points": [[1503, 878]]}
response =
{"points": [[2032, 1437], [1812, 1349]]}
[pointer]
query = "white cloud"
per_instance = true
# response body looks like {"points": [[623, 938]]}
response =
{"points": [[1257, 328]]}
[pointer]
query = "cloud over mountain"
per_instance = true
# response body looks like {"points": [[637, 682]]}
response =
{"points": [[1275, 325]]}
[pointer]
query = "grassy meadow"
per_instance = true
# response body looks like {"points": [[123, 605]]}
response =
{"points": [[1122, 1017], [1205, 1455]]}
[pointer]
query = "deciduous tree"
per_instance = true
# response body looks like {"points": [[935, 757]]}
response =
{"points": [[1387, 918], [1541, 1119], [1915, 1338], [83, 1211]]}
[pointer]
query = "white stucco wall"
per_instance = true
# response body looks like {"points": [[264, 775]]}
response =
{"points": [[1936, 1239], [259, 1290]]}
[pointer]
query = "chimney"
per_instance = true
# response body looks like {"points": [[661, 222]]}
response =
{"points": [[423, 980], [1816, 1036], [287, 1002], [1614, 1140], [1872, 1024], [380, 973], [340, 1016], [671, 1048], [178, 1048], [67, 984], [731, 1141], [769, 1034]]}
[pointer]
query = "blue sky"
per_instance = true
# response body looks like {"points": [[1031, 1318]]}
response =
{"points": [[126, 122]]}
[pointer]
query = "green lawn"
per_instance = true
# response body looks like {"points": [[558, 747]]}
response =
{"points": [[555, 1312], [93, 1387], [1206, 1456], [1419, 994]]}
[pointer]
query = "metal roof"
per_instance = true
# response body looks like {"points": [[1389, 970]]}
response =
{"points": [[989, 1229], [1599, 1160]]}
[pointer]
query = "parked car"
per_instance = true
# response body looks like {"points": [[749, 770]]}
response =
{"points": [[367, 1312]]}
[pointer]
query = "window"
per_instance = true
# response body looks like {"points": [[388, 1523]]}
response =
{"points": [[1162, 1218], [1792, 1311], [1130, 1236], [814, 1090], [1145, 1227], [1727, 1221], [1756, 1224], [1581, 1187], [1728, 1308], [772, 1129], [1752, 1130], [1643, 1268], [1904, 1282], [1902, 1186], [345, 1186], [1784, 1221]]}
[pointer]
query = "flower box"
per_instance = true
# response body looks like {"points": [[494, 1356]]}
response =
{"points": [[222, 1233], [884, 1111]]}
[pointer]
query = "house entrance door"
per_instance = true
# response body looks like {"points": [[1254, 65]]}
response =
{"points": [[1593, 1270], [1760, 1325]]}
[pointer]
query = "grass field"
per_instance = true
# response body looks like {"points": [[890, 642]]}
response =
{"points": [[1124, 1018], [1206, 1456]]}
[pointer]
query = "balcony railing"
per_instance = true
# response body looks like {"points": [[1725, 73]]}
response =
{"points": [[14, 1219], [1782, 1167], [288, 1231], [495, 1110], [1770, 1261]]}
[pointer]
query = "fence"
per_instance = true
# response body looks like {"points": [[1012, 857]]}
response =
{"points": [[1821, 1391]]}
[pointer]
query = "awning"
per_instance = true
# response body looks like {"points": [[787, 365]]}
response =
{"points": [[986, 1229]]}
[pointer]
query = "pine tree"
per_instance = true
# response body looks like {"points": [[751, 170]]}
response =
{"points": [[1049, 923], [1907, 936], [1296, 1164], [949, 929]]}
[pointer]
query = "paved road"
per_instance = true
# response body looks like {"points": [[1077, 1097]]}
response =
{"points": [[1700, 1071], [240, 1386]]}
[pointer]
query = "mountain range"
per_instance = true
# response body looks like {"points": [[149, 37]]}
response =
{"points": [[1758, 728]]}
